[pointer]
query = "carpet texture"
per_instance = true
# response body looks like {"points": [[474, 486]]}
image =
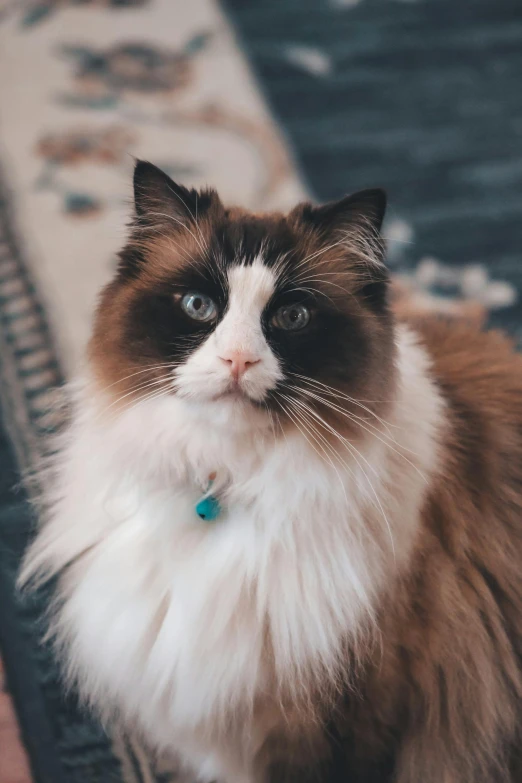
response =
{"points": [[421, 96]]}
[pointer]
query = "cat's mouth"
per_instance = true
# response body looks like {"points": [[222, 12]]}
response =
{"points": [[232, 395], [236, 395]]}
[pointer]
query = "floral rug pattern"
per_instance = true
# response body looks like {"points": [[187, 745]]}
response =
{"points": [[161, 79]]}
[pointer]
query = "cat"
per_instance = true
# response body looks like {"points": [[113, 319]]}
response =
{"points": [[352, 607]]}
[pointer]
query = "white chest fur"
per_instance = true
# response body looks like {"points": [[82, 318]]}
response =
{"points": [[166, 619]]}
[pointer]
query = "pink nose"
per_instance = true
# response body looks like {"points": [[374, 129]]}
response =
{"points": [[239, 362]]}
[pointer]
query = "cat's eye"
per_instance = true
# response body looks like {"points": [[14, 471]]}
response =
{"points": [[199, 306], [291, 317]]}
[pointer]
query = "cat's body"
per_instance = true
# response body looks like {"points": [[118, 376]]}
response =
{"points": [[355, 612]]}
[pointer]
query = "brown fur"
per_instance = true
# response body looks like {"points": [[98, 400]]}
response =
{"points": [[439, 701]]}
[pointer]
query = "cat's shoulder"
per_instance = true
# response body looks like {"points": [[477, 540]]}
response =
{"points": [[463, 355]]}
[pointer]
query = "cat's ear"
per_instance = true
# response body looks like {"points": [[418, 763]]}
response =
{"points": [[158, 199], [354, 223], [355, 220], [161, 207]]}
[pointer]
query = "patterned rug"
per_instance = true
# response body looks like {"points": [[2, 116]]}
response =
{"points": [[421, 96]]}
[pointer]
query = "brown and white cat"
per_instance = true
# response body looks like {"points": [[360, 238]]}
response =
{"points": [[354, 611]]}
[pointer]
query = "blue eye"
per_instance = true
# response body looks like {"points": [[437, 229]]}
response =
{"points": [[199, 307], [291, 317]]}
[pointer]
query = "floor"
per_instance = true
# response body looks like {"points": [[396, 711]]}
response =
{"points": [[14, 767]]}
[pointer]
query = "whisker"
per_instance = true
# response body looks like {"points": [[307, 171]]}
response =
{"points": [[154, 394], [148, 368], [183, 225], [319, 252], [353, 449], [195, 219], [166, 382], [143, 245], [312, 290], [352, 416], [370, 429], [337, 393], [307, 428]]}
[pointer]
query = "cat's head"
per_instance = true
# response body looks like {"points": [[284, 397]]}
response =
{"points": [[256, 314]]}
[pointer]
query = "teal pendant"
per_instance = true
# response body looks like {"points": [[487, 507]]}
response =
{"points": [[208, 508]]}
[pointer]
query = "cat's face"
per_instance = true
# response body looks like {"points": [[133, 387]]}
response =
{"points": [[245, 312]]}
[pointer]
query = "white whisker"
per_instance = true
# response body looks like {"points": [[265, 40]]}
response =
{"points": [[374, 432], [342, 395], [353, 449], [183, 225]]}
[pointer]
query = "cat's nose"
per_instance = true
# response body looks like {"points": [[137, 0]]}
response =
{"points": [[239, 362]]}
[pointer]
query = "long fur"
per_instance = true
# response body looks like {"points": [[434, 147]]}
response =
{"points": [[357, 610]]}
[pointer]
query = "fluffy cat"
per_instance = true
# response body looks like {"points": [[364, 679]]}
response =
{"points": [[354, 611]]}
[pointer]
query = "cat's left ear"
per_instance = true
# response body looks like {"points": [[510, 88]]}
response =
{"points": [[355, 219]]}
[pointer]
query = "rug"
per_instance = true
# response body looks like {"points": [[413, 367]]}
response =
{"points": [[271, 102]]}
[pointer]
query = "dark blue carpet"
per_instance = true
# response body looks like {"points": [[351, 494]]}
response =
{"points": [[63, 744], [423, 97]]}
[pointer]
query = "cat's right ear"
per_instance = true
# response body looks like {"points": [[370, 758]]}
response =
{"points": [[162, 208], [159, 201]]}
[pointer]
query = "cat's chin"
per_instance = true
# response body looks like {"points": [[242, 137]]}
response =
{"points": [[235, 397], [231, 409]]}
